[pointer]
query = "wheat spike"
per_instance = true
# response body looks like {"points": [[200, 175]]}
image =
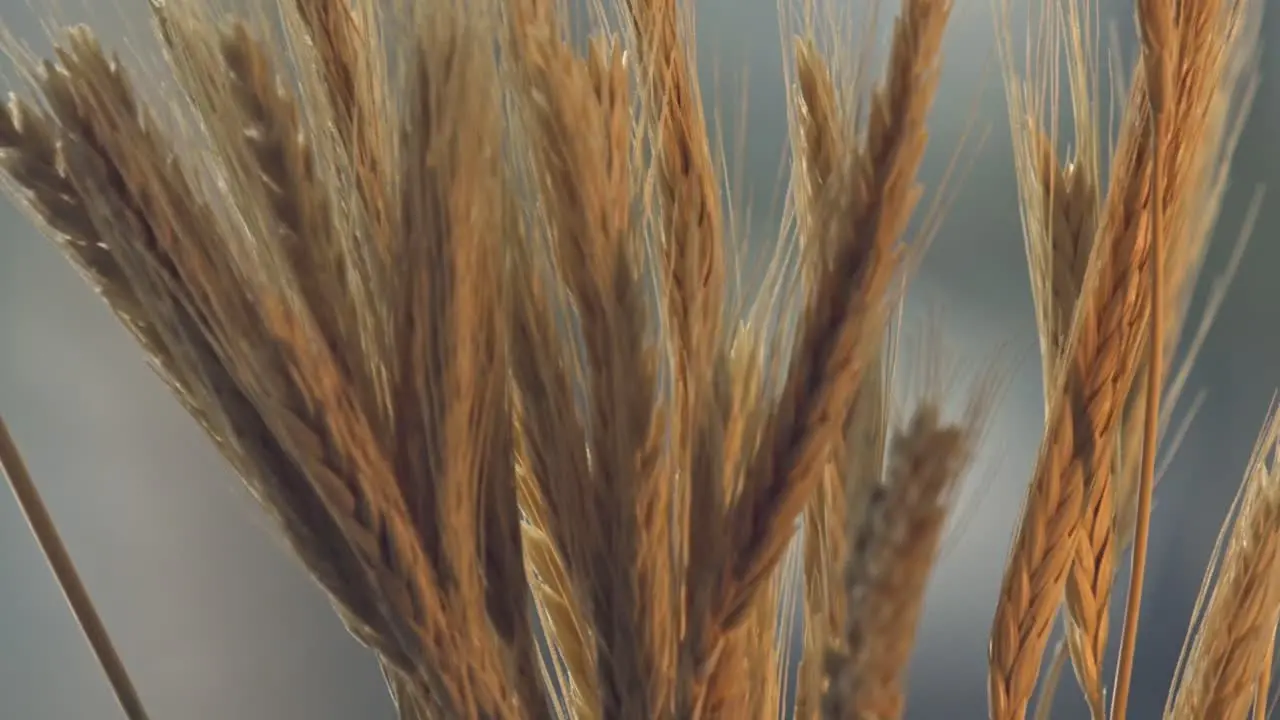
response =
{"points": [[1230, 648], [1096, 374], [890, 561]]}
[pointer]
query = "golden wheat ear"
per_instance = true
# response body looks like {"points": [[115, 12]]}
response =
{"points": [[610, 518], [64, 571], [1225, 671], [835, 154], [1139, 246]]}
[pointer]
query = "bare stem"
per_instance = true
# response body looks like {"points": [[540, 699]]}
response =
{"points": [[1146, 481], [46, 534]]}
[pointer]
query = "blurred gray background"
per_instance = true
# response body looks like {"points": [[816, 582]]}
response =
{"points": [[217, 623]]}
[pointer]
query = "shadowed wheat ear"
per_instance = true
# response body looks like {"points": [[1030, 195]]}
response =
{"points": [[363, 247], [350, 58], [612, 521], [889, 559], [860, 191], [248, 353], [822, 127], [826, 134], [61, 164]]}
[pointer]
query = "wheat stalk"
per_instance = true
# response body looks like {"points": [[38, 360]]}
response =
{"points": [[46, 533]]}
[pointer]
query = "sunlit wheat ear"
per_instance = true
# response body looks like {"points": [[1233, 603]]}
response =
{"points": [[1060, 207], [550, 443], [1096, 373], [1202, 144], [1193, 61], [1059, 201], [1230, 651]]}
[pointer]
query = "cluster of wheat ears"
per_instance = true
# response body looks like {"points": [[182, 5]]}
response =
{"points": [[458, 294]]}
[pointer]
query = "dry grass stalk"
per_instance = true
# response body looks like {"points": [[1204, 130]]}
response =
{"points": [[1159, 59], [45, 531], [1189, 66]]}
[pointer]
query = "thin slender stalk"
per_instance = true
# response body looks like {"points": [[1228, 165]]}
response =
{"points": [[1146, 481], [46, 534]]}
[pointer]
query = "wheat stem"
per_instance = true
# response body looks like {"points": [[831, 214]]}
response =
{"points": [[1146, 486], [55, 552], [1159, 50]]}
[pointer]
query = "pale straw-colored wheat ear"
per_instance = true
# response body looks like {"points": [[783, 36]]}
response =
{"points": [[1225, 669]]}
